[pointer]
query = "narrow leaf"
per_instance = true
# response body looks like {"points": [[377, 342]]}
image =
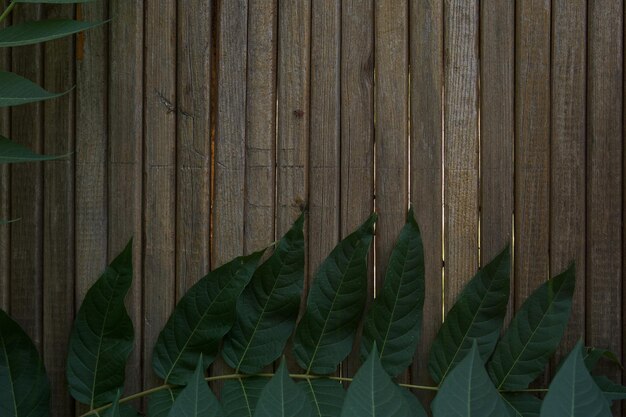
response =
{"points": [[281, 397], [11, 153], [268, 307], [53, 1], [335, 304], [160, 403], [372, 393], [16, 90], [24, 387], [326, 396], [534, 334], [240, 396], [196, 400], [612, 391], [522, 405], [33, 32], [102, 336], [395, 319], [477, 315], [201, 318], [593, 355], [468, 391], [573, 393]]}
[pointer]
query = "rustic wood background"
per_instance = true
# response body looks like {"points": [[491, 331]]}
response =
{"points": [[201, 127]]}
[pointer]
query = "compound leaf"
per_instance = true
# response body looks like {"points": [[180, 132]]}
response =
{"points": [[160, 403], [16, 90], [326, 396], [240, 396], [33, 32], [196, 399], [281, 397], [522, 405]]}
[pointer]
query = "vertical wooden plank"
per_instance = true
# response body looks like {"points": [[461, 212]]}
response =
{"points": [[58, 206], [159, 193], [124, 163], [357, 125], [194, 143], [324, 159], [426, 60], [5, 197], [461, 145], [604, 179], [567, 164], [532, 146], [27, 194], [260, 124]]}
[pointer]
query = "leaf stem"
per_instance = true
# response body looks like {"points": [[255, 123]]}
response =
{"points": [[7, 11]]}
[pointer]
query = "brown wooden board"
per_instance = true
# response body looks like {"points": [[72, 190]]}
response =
{"points": [[426, 60], [5, 196], [460, 145]]}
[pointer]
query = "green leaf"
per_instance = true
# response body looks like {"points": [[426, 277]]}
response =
{"points": [[468, 391], [593, 355], [53, 1], [16, 90], [120, 410], [417, 410], [196, 400], [573, 393], [477, 315], [201, 318], [11, 153], [102, 336], [373, 393], [335, 304], [521, 405], [395, 319], [281, 397], [160, 403], [24, 387], [268, 307], [3, 222], [611, 390], [33, 32], [326, 396], [240, 396], [534, 334]]}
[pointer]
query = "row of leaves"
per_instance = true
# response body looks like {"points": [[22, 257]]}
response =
{"points": [[252, 311]]}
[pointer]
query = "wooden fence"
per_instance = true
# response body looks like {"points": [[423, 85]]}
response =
{"points": [[201, 127]]}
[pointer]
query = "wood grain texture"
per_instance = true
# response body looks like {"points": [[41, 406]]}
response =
{"points": [[567, 156], [5, 197], [124, 161], [604, 179], [261, 124], [58, 205], [426, 60], [159, 265], [460, 145], [532, 146], [194, 143]]}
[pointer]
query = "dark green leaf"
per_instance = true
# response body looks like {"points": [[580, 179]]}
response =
{"points": [[522, 405], [102, 336], [335, 304], [268, 307], [240, 396], [372, 393], [11, 153], [468, 392], [52, 1], [417, 410], [325, 395], [160, 403], [281, 397], [196, 399], [534, 334], [395, 319], [593, 355], [573, 393], [611, 390], [24, 387], [33, 32], [3, 222], [16, 90], [477, 315], [201, 318], [120, 410]]}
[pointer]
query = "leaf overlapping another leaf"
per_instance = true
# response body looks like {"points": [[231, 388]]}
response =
{"points": [[196, 399], [326, 395], [281, 397], [160, 403], [240, 396], [522, 405]]}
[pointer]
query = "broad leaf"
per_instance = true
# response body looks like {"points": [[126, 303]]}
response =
{"points": [[281, 397], [372, 393], [573, 393], [11, 153], [326, 396], [24, 387], [240, 396], [468, 392], [522, 405], [335, 304], [268, 307], [395, 319], [592, 355], [16, 90], [160, 403], [120, 410], [534, 334], [611, 390], [33, 32], [196, 400], [102, 336], [417, 410], [201, 318], [477, 315]]}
